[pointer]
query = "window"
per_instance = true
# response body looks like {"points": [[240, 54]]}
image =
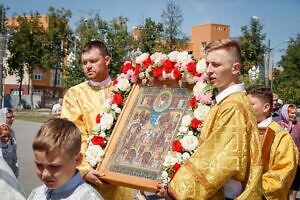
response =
{"points": [[38, 76], [202, 47]]}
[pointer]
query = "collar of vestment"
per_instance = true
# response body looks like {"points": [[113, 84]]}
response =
{"points": [[73, 183], [265, 123], [99, 85], [230, 90]]}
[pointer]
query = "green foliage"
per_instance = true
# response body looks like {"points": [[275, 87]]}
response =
{"points": [[287, 83], [172, 19], [26, 46], [150, 36], [252, 46]]}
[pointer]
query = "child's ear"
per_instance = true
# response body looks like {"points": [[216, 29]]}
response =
{"points": [[78, 159], [266, 108]]}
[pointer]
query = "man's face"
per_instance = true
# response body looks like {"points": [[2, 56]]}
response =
{"points": [[55, 168], [220, 69], [4, 134], [260, 108], [95, 65], [9, 118], [275, 102]]}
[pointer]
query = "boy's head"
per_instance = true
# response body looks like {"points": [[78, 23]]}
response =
{"points": [[9, 117], [4, 133], [57, 152], [223, 59], [261, 98]]}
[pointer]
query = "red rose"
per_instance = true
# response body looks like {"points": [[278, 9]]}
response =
{"points": [[117, 99], [193, 102], [115, 82], [168, 66], [126, 66], [147, 62], [98, 118], [177, 74], [176, 166], [191, 67], [137, 69], [98, 140], [176, 146], [157, 72], [195, 123]]}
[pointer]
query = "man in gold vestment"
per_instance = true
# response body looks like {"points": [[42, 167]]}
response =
{"points": [[227, 162], [280, 159], [81, 105]]}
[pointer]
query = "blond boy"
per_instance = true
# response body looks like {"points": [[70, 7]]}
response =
{"points": [[57, 154]]}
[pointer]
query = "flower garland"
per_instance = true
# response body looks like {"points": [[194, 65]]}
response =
{"points": [[146, 68]]}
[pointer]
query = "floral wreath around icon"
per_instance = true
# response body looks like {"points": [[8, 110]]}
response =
{"points": [[178, 66]]}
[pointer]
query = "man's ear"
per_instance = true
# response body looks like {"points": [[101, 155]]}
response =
{"points": [[107, 60], [236, 67]]}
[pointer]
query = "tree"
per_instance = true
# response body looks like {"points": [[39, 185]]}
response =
{"points": [[56, 43], [150, 36], [252, 46], [287, 82], [119, 42], [172, 19], [26, 48]]}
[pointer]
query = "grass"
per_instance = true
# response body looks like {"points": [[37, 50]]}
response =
{"points": [[32, 117]]}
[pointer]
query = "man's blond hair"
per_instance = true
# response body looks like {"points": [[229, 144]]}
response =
{"points": [[58, 134], [229, 45]]}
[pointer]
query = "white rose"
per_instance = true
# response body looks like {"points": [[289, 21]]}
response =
{"points": [[102, 134], [173, 55], [185, 156], [186, 120], [189, 78], [106, 121], [172, 158], [140, 59], [94, 154], [201, 112], [199, 88], [183, 57], [106, 106], [158, 57], [123, 84], [201, 66], [189, 142], [183, 129]]}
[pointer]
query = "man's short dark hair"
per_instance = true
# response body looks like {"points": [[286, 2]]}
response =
{"points": [[95, 44]]}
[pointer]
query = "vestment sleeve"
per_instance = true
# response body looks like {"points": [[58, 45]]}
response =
{"points": [[282, 167], [224, 153], [71, 110]]}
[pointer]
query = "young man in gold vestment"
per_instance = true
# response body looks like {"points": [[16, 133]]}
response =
{"points": [[227, 162], [81, 105], [280, 159]]}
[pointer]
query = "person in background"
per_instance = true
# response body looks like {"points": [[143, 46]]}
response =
{"points": [[227, 161], [56, 150], [280, 158], [83, 102], [56, 109], [276, 108], [8, 146], [289, 122]]}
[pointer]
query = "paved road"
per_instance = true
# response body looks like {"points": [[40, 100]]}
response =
{"points": [[25, 132]]}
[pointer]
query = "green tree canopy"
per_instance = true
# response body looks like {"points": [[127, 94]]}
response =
{"points": [[287, 82]]}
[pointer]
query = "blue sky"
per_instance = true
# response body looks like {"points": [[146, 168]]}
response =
{"points": [[281, 18]]}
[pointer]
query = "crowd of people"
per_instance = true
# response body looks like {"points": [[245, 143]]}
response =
{"points": [[248, 148]]}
